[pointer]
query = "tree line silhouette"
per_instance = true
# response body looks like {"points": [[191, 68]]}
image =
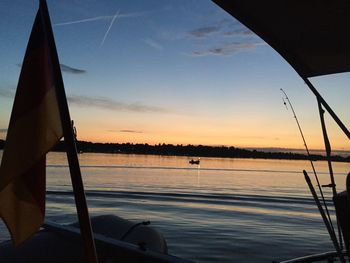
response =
{"points": [[187, 150]]}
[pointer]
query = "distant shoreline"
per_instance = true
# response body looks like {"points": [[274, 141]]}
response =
{"points": [[193, 151], [190, 150]]}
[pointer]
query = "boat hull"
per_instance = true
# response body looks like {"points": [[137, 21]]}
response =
{"points": [[117, 240]]}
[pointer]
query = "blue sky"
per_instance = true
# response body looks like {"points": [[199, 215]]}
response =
{"points": [[169, 72]]}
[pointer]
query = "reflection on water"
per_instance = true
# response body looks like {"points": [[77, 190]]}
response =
{"points": [[225, 210]]}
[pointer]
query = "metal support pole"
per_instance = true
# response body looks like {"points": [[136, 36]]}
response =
{"points": [[327, 147], [328, 153], [327, 107], [324, 217]]}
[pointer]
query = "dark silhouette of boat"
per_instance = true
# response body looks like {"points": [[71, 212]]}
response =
{"points": [[117, 240], [194, 161]]}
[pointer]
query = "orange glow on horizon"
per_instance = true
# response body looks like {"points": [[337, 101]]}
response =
{"points": [[291, 142]]}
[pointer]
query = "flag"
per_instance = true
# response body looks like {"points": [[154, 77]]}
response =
{"points": [[35, 127]]}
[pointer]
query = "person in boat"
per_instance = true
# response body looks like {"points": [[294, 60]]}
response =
{"points": [[194, 161]]}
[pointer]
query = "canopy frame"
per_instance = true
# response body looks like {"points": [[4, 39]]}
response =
{"points": [[296, 30]]}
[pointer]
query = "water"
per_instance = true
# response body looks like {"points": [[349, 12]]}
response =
{"points": [[225, 210]]}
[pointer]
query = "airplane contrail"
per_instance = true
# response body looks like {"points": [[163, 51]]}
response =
{"points": [[109, 28], [83, 20], [97, 18]]}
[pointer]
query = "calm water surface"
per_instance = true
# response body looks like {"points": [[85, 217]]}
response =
{"points": [[225, 210]]}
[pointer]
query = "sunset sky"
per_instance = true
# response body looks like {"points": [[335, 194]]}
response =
{"points": [[180, 72]]}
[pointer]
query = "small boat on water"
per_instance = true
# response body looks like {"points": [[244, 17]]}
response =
{"points": [[195, 161]]}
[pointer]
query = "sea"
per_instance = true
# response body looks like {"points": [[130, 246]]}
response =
{"points": [[223, 210]]}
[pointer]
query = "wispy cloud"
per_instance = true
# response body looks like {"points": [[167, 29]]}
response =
{"points": [[130, 131], [239, 32], [222, 27], [71, 70], [152, 43], [105, 103], [216, 35], [101, 102], [99, 18], [67, 69], [204, 31], [226, 49]]}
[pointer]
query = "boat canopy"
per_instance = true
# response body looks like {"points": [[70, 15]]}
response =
{"points": [[312, 35]]}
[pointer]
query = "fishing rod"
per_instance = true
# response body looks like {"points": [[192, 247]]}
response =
{"points": [[311, 162]]}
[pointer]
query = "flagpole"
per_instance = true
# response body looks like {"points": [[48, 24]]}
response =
{"points": [[78, 187]]}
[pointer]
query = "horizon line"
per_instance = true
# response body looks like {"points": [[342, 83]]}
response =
{"points": [[218, 145], [223, 145]]}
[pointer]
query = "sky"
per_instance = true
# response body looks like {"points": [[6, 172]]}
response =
{"points": [[179, 72]]}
